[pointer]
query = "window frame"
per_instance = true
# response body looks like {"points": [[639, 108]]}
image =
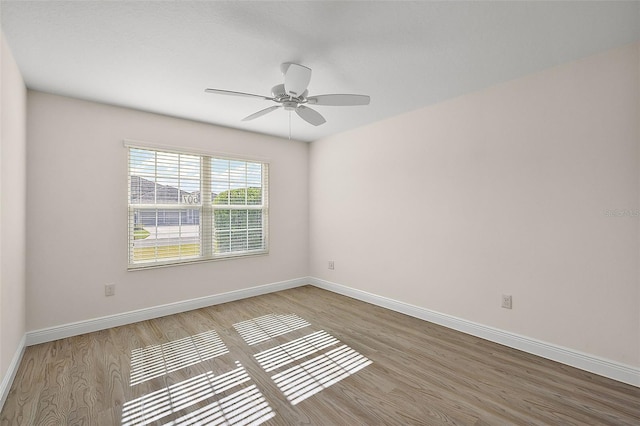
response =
{"points": [[206, 208]]}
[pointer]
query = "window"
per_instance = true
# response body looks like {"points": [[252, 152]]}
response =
{"points": [[186, 207]]}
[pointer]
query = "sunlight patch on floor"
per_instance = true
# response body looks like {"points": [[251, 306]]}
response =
{"points": [[158, 360], [310, 377], [301, 367], [263, 328], [245, 406], [281, 355]]}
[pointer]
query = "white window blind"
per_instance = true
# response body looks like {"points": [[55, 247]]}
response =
{"points": [[187, 207]]}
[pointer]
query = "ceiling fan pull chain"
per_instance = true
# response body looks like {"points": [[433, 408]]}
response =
{"points": [[289, 125]]}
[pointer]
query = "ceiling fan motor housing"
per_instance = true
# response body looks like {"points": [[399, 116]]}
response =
{"points": [[288, 102]]}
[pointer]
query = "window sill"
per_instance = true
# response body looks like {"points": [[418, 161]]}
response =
{"points": [[169, 263]]}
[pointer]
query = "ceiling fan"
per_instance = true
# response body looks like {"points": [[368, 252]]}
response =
{"points": [[292, 96]]}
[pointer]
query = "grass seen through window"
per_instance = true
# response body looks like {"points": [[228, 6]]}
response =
{"points": [[166, 252]]}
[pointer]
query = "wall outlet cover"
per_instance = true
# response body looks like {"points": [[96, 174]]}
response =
{"points": [[109, 289], [506, 301]]}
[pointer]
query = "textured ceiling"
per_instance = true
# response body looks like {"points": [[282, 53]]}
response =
{"points": [[160, 56]]}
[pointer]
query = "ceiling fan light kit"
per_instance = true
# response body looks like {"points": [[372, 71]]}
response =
{"points": [[292, 96]]}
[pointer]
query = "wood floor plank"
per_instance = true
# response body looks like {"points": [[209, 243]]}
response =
{"points": [[197, 368]]}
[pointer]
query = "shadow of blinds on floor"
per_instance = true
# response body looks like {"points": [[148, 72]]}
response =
{"points": [[245, 406], [158, 360]]}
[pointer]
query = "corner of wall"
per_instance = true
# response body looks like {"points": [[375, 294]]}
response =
{"points": [[12, 216]]}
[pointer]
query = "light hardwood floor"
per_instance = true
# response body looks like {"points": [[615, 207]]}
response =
{"points": [[305, 356]]}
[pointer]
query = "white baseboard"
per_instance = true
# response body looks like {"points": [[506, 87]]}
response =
{"points": [[96, 324], [611, 369], [7, 380]]}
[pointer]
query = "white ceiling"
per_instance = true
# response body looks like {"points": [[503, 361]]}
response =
{"points": [[160, 56]]}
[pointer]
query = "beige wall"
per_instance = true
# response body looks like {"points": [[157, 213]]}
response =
{"points": [[501, 191], [77, 212], [12, 207]]}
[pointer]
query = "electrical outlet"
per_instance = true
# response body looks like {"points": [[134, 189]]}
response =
{"points": [[331, 264], [109, 289], [506, 301]]}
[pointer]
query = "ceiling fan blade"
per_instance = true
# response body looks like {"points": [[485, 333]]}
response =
{"points": [[231, 93], [339, 100], [310, 116], [261, 113], [296, 79]]}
